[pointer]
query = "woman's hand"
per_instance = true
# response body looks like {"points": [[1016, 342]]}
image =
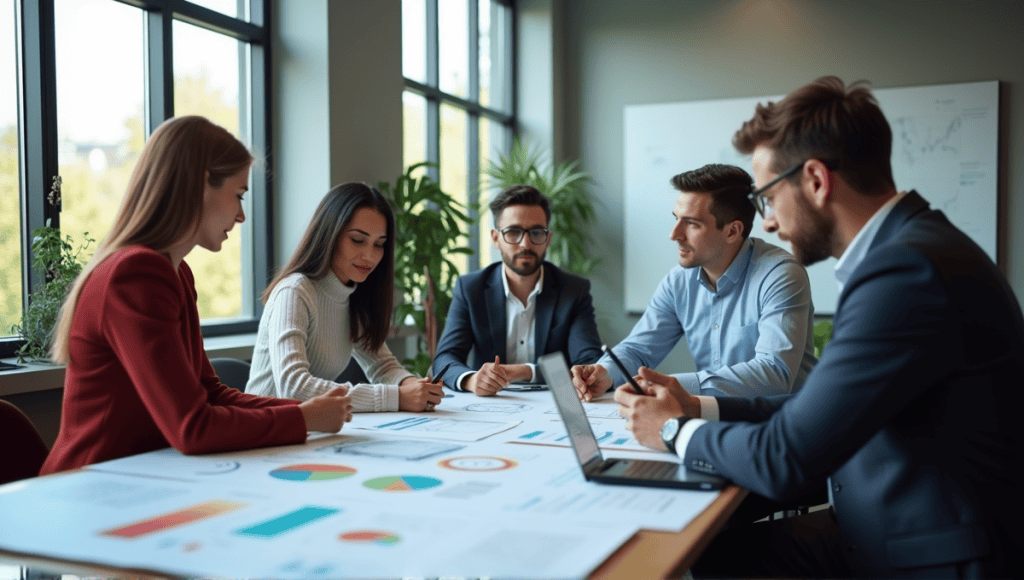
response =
{"points": [[327, 412], [416, 394]]}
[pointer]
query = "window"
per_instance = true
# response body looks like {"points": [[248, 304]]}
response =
{"points": [[86, 81], [458, 108]]}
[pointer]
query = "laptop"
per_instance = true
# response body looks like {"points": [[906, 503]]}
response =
{"points": [[642, 472]]}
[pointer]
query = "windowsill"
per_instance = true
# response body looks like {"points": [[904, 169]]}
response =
{"points": [[42, 377]]}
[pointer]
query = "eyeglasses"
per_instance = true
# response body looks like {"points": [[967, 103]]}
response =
{"points": [[514, 235], [757, 197]]}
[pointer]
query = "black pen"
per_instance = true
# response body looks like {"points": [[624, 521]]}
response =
{"points": [[437, 377], [622, 367]]}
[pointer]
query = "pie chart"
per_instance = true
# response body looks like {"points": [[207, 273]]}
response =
{"points": [[370, 537], [312, 472], [402, 483]]}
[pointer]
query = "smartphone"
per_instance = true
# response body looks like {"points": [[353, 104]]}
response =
{"points": [[622, 369]]}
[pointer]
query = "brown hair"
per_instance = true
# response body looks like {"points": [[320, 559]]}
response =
{"points": [[519, 195], [728, 187], [164, 200], [828, 121], [371, 303]]}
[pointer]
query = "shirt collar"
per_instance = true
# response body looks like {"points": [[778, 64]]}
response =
{"points": [[858, 248], [536, 287], [736, 270]]}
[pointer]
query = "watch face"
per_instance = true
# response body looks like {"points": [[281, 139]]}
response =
{"points": [[669, 429]]}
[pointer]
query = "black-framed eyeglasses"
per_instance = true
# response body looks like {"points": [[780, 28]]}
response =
{"points": [[757, 197], [514, 235]]}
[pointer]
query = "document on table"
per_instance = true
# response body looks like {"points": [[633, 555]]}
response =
{"points": [[448, 428], [183, 529]]}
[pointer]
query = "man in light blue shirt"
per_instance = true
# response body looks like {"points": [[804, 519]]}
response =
{"points": [[743, 305]]}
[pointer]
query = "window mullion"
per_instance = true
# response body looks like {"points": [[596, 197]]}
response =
{"points": [[159, 67], [38, 111]]}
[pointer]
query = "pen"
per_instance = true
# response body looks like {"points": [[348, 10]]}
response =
{"points": [[622, 367], [437, 377]]}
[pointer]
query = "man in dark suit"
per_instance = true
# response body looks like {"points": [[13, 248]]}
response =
{"points": [[512, 312], [912, 413]]}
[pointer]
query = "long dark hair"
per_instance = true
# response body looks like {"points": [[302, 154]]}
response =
{"points": [[371, 303]]}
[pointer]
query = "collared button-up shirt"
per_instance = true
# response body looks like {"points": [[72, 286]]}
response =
{"points": [[750, 336]]}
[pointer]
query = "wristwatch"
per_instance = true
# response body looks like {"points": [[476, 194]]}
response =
{"points": [[670, 430]]}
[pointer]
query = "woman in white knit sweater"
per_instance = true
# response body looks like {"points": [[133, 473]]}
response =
{"points": [[333, 301]]}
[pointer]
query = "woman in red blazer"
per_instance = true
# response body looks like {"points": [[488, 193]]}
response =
{"points": [[138, 378]]}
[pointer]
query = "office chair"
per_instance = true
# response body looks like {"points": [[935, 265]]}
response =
{"points": [[231, 371], [24, 450]]}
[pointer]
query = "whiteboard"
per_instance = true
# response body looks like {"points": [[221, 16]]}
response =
{"points": [[945, 141]]}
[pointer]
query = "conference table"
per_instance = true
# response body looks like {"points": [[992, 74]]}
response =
{"points": [[390, 495]]}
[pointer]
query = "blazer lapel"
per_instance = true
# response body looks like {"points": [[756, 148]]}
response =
{"points": [[546, 301], [496, 319]]}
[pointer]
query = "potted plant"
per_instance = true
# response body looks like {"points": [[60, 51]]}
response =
{"points": [[429, 227], [572, 203], [60, 262]]}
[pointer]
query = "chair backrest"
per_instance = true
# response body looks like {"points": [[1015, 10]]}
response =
{"points": [[22, 451], [231, 371]]}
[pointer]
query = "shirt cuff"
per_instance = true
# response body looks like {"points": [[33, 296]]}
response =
{"points": [[689, 381], [533, 372], [685, 433], [708, 408], [390, 396], [461, 379]]}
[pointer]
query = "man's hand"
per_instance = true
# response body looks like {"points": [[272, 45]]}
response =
{"points": [[327, 412], [590, 381], [489, 380], [689, 403], [416, 394], [646, 414]]}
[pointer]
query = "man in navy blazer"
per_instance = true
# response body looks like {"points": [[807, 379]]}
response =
{"points": [[512, 312], [912, 414]]}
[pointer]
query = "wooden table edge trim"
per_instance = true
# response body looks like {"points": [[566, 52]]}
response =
{"points": [[654, 554]]}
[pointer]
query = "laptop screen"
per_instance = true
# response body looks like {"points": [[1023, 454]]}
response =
{"points": [[569, 407]]}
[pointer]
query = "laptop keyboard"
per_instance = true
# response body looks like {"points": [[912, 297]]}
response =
{"points": [[651, 469]]}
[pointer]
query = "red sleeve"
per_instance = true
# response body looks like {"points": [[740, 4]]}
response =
{"points": [[143, 323]]}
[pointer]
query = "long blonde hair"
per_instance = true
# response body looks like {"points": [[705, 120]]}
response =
{"points": [[164, 200]]}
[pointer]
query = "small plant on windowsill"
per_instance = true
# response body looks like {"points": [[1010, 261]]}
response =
{"points": [[60, 262]]}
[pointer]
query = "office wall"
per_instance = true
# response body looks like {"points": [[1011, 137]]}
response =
{"points": [[337, 104], [620, 52]]}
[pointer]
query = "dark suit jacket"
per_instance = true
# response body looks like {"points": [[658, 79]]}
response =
{"points": [[563, 322], [913, 410]]}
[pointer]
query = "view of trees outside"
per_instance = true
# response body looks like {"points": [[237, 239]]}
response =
{"points": [[100, 92], [10, 204], [453, 78]]}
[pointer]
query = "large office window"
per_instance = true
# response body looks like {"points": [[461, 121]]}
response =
{"points": [[458, 102], [86, 82]]}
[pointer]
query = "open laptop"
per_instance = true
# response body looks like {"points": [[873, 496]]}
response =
{"points": [[595, 467]]}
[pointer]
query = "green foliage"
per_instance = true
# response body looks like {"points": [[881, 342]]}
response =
{"points": [[57, 258], [428, 225], [822, 334], [572, 203]]}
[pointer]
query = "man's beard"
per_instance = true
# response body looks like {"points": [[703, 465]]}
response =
{"points": [[813, 242], [525, 270]]}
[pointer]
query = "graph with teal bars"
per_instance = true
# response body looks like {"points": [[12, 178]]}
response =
{"points": [[402, 483], [312, 472]]}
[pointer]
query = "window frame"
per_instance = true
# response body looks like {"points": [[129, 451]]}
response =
{"points": [[35, 39], [435, 97]]}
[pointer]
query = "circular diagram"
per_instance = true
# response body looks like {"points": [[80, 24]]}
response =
{"points": [[371, 537], [402, 483], [478, 463], [312, 472]]}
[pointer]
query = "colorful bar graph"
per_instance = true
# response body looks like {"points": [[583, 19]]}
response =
{"points": [[175, 519], [287, 522]]}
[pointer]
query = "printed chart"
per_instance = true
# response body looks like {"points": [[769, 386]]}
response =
{"points": [[312, 472], [174, 519], [287, 522], [376, 537], [478, 463], [402, 483]]}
